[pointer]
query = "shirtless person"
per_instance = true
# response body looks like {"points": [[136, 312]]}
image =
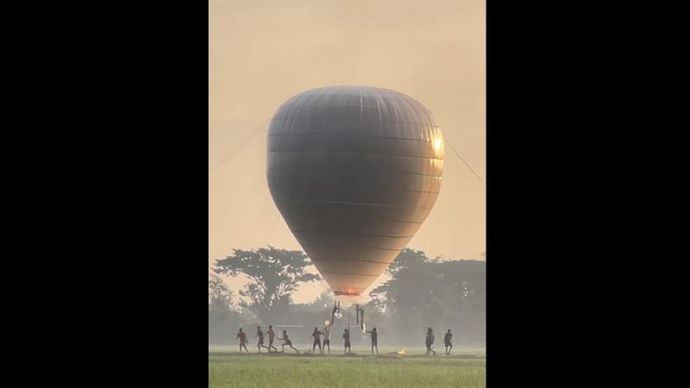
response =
{"points": [[346, 338], [317, 340], [374, 340], [260, 336], [271, 335], [286, 341], [448, 341], [327, 338], [242, 336]]}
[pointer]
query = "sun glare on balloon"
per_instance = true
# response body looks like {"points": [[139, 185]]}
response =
{"points": [[438, 145]]}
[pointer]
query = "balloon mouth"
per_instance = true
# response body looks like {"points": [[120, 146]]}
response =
{"points": [[347, 293]]}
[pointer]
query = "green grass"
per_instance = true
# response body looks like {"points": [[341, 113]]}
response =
{"points": [[232, 369]]}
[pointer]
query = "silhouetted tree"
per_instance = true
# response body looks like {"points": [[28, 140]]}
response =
{"points": [[322, 304], [219, 296], [274, 273], [426, 292], [222, 317]]}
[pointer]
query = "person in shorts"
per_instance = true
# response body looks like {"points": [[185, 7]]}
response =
{"points": [[286, 341]]}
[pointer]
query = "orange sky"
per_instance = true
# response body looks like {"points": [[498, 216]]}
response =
{"points": [[264, 51]]}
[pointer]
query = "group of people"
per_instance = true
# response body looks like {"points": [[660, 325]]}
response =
{"points": [[242, 337], [326, 333], [447, 341], [348, 345]]}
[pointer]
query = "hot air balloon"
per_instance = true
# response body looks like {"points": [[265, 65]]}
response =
{"points": [[354, 171]]}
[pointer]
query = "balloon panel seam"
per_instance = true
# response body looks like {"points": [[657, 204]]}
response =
{"points": [[278, 151]]}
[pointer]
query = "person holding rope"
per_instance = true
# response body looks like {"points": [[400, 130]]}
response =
{"points": [[260, 336], [374, 340], [286, 341], [327, 338], [317, 340]]}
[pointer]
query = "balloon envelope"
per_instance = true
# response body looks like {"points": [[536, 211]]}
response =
{"points": [[354, 171]]}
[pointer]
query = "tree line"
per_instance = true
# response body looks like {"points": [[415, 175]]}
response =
{"points": [[420, 292]]}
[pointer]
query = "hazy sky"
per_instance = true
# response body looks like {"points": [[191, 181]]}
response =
{"points": [[264, 51]]}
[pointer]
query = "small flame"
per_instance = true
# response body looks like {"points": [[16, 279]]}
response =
{"points": [[402, 351]]}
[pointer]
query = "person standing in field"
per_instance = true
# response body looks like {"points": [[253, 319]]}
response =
{"points": [[327, 338], [374, 340], [242, 336], [286, 341], [271, 335], [348, 346], [448, 341], [429, 341], [260, 336], [317, 340]]}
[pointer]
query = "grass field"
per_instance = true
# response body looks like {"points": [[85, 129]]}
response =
{"points": [[465, 368]]}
